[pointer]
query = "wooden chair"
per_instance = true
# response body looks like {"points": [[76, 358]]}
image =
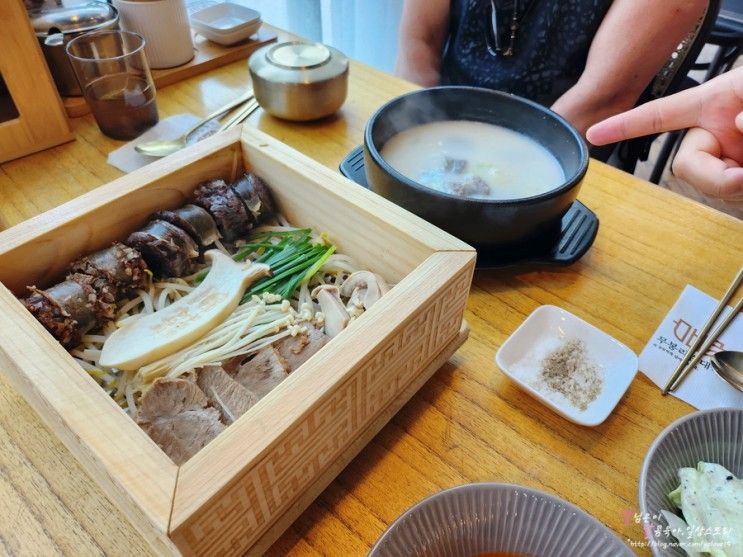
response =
{"points": [[727, 35]]}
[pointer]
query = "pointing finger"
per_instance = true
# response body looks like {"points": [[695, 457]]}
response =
{"points": [[671, 113]]}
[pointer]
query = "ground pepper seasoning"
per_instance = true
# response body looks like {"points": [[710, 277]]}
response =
{"points": [[568, 371]]}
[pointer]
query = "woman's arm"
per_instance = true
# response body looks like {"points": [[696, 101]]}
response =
{"points": [[422, 32], [632, 44]]}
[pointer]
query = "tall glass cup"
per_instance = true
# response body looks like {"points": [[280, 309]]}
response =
{"points": [[115, 79]]}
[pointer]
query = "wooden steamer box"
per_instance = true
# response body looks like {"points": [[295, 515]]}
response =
{"points": [[242, 490]]}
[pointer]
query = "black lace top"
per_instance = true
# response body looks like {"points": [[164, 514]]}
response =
{"points": [[550, 49]]}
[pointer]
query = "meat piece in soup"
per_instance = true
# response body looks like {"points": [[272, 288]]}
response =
{"points": [[473, 159]]}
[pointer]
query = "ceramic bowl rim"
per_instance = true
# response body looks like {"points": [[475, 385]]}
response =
{"points": [[494, 486], [653, 448], [692, 416], [568, 184]]}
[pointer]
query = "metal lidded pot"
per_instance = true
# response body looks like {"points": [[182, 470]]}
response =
{"points": [[55, 27], [298, 80]]}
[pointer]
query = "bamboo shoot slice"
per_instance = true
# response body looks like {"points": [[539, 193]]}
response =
{"points": [[159, 334]]}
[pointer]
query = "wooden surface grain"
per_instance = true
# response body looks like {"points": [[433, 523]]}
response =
{"points": [[468, 423]]}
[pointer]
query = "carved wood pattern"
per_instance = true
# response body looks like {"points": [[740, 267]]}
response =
{"points": [[230, 525]]}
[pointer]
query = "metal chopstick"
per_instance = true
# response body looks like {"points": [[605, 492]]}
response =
{"points": [[240, 115], [245, 114], [694, 354], [710, 340], [247, 97]]}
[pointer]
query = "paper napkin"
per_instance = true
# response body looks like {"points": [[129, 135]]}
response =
{"points": [[126, 159], [702, 388]]}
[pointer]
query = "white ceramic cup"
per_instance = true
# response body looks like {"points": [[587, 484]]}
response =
{"points": [[165, 27]]}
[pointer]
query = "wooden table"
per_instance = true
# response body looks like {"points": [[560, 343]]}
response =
{"points": [[469, 423]]}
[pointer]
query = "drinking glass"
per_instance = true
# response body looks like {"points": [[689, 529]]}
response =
{"points": [[115, 79]]}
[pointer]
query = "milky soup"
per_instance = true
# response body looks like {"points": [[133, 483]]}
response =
{"points": [[473, 159]]}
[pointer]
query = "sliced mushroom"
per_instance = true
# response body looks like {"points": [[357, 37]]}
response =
{"points": [[336, 316], [363, 288]]}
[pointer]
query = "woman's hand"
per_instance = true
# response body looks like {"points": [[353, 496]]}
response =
{"points": [[711, 156]]}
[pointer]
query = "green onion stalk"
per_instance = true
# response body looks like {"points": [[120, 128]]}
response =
{"points": [[294, 259], [290, 267], [259, 245]]}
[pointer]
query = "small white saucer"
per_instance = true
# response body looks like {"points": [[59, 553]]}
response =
{"points": [[545, 330], [226, 23]]}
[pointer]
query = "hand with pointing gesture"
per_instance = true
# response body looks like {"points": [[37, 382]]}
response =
{"points": [[711, 155]]}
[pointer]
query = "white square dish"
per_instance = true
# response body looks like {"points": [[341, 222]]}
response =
{"points": [[226, 23], [521, 357]]}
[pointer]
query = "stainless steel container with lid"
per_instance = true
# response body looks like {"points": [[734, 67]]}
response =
{"points": [[298, 80], [56, 26]]}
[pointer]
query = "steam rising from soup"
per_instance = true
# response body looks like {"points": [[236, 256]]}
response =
{"points": [[473, 159]]}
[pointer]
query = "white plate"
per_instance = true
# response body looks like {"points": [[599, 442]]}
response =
{"points": [[545, 330], [226, 23]]}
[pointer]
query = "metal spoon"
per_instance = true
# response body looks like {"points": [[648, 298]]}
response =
{"points": [[164, 147], [729, 365]]}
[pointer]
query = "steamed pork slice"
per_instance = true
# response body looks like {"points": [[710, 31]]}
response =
{"points": [[120, 266], [255, 194], [295, 350], [227, 395], [67, 310], [226, 208], [262, 372], [195, 220], [168, 250], [174, 414]]}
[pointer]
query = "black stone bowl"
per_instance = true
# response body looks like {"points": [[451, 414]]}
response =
{"points": [[477, 221]]}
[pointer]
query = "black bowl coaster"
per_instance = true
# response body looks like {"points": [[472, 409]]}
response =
{"points": [[575, 236]]}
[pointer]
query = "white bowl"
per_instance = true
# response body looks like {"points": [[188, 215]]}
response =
{"points": [[546, 329], [226, 23]]}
